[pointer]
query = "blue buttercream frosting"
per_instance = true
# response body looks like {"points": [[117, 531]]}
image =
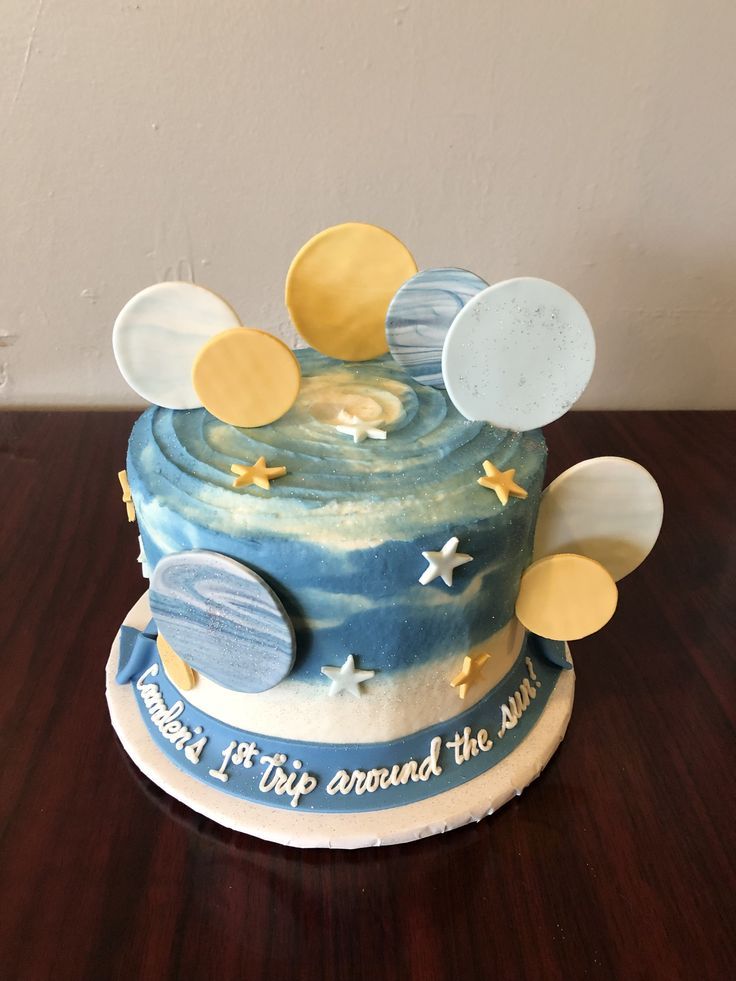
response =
{"points": [[340, 537]]}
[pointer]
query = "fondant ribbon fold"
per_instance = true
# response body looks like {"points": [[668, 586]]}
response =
{"points": [[137, 651]]}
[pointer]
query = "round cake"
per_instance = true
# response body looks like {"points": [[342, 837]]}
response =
{"points": [[340, 539], [355, 631], [350, 539]]}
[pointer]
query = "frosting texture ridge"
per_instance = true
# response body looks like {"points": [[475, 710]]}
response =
{"points": [[431, 453]]}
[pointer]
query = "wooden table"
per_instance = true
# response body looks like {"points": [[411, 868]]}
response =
{"points": [[617, 863]]}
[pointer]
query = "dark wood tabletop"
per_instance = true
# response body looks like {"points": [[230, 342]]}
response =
{"points": [[617, 863]]}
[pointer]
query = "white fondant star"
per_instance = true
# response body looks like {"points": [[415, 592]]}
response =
{"points": [[346, 678], [442, 563], [358, 428], [143, 559]]}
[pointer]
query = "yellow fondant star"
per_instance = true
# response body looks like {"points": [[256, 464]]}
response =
{"points": [[127, 497], [469, 673], [258, 474], [501, 481]]}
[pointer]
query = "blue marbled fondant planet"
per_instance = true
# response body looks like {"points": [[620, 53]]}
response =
{"points": [[223, 620], [420, 315]]}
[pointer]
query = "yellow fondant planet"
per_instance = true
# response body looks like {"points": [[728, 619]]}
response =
{"points": [[246, 377], [566, 597], [339, 287]]}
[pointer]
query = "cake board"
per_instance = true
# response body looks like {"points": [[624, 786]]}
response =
{"points": [[454, 808]]}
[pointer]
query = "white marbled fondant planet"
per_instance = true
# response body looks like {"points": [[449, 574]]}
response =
{"points": [[519, 354], [608, 508], [158, 334], [223, 620], [420, 315]]}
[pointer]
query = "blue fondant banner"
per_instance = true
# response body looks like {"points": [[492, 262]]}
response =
{"points": [[338, 777]]}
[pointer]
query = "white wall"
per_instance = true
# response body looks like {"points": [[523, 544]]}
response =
{"points": [[591, 142]]}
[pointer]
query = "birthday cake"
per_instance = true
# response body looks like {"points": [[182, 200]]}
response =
{"points": [[356, 626]]}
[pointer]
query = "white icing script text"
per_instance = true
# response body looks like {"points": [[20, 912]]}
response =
{"points": [[166, 719], [297, 782], [369, 781], [518, 703], [275, 778], [467, 746]]}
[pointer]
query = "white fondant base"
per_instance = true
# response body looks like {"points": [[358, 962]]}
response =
{"points": [[442, 812]]}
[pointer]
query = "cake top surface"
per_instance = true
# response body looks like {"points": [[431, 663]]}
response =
{"points": [[358, 434]]}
